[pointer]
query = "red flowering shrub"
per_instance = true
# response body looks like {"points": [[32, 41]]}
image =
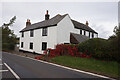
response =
{"points": [[45, 52], [39, 57], [62, 49], [35, 57]]}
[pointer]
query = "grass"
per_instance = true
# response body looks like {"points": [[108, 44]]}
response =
{"points": [[89, 64]]}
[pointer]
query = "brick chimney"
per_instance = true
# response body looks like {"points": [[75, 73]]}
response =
{"points": [[47, 15], [28, 22], [87, 23]]}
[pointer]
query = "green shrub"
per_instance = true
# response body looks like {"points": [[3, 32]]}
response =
{"points": [[99, 48]]}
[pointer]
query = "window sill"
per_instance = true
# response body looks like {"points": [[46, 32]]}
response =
{"points": [[44, 35]]}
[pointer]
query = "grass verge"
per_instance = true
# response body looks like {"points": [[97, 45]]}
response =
{"points": [[88, 64]]}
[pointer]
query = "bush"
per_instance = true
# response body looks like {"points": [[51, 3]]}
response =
{"points": [[62, 49], [96, 47], [114, 41], [99, 48], [114, 48]]}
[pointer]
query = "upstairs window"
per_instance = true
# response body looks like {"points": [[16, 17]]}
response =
{"points": [[84, 32], [92, 35], [89, 34], [80, 31], [44, 45], [44, 32], [22, 34], [21, 44], [31, 33], [31, 45]]}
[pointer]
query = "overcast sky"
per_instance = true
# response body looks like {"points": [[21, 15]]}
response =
{"points": [[102, 16]]}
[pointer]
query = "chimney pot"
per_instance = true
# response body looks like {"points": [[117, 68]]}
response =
{"points": [[47, 11], [28, 22], [87, 23], [47, 15]]}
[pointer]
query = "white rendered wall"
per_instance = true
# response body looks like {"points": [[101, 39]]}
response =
{"points": [[38, 39], [90, 34], [95, 35], [87, 34], [82, 31], [65, 26]]}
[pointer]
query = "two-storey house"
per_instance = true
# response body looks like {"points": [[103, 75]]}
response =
{"points": [[39, 36]]}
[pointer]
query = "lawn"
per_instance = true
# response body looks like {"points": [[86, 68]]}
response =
{"points": [[88, 64]]}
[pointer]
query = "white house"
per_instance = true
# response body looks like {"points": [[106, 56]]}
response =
{"points": [[50, 32]]}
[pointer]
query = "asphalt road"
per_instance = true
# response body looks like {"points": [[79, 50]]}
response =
{"points": [[4, 71], [29, 68]]}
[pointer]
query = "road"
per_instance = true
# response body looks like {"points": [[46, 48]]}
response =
{"points": [[30, 68]]}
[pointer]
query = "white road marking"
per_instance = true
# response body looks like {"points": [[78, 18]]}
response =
{"points": [[12, 71], [1, 64], [0, 59], [3, 70], [66, 67]]}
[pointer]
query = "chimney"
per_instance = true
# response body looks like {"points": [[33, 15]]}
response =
{"points": [[87, 23], [47, 15], [28, 22]]}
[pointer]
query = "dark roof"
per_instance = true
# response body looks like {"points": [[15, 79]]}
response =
{"points": [[77, 38], [46, 23], [54, 21], [79, 25]]}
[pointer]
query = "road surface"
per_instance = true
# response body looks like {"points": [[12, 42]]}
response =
{"points": [[23, 67]]}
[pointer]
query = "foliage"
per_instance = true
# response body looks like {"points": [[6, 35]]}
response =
{"points": [[117, 31], [62, 49], [98, 47], [10, 23], [8, 37], [114, 42], [102, 48]]}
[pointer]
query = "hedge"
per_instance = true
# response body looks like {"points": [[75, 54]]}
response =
{"points": [[99, 48]]}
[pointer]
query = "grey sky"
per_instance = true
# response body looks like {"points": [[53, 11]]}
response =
{"points": [[102, 16]]}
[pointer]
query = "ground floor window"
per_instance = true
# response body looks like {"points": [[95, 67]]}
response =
{"points": [[21, 44], [44, 45], [31, 45]]}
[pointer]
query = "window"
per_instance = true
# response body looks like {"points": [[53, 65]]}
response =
{"points": [[21, 44], [84, 32], [80, 31], [22, 34], [31, 45], [89, 34], [31, 33], [44, 45], [66, 43], [92, 35], [44, 32]]}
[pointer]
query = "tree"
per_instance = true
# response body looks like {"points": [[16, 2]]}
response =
{"points": [[10, 23], [114, 41], [8, 36]]}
